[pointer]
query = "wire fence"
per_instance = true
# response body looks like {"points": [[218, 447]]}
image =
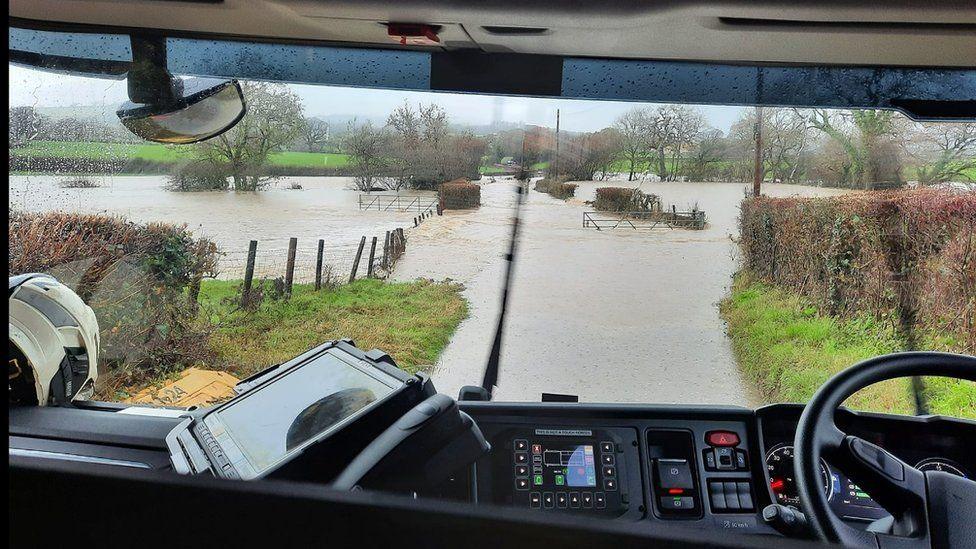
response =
{"points": [[314, 261]]}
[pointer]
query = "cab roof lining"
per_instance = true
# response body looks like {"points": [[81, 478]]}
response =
{"points": [[846, 32]]}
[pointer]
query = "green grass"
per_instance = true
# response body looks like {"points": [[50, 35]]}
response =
{"points": [[495, 170], [156, 152], [788, 349], [296, 159], [153, 152], [411, 321]]}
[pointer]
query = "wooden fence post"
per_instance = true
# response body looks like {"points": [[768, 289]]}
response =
{"points": [[372, 254], [290, 266], [318, 265], [355, 264], [252, 250], [386, 251]]}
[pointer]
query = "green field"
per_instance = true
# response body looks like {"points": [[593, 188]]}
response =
{"points": [[495, 170], [411, 321], [168, 154], [788, 349]]}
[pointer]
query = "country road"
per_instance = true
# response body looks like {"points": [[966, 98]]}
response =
{"points": [[612, 316]]}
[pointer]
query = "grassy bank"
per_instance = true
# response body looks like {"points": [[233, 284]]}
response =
{"points": [[787, 349], [162, 154], [412, 321]]}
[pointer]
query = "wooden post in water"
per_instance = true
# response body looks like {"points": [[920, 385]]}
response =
{"points": [[359, 254], [372, 254], [290, 266], [386, 251], [318, 265], [252, 250]]}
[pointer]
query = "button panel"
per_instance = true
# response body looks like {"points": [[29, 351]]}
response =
{"points": [[730, 496]]}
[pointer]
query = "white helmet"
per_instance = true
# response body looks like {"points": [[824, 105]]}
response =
{"points": [[54, 343]]}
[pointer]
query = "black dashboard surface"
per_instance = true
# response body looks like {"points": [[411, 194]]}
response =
{"points": [[701, 467], [651, 442]]}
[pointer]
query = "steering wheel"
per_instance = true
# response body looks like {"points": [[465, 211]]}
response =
{"points": [[917, 501]]}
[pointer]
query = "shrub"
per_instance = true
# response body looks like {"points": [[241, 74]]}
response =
{"points": [[137, 278], [198, 176], [556, 187], [625, 199], [459, 194], [907, 256], [80, 183]]}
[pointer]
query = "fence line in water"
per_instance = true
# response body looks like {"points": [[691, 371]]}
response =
{"points": [[315, 261]]}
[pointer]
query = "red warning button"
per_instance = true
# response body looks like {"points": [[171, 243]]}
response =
{"points": [[721, 438]]}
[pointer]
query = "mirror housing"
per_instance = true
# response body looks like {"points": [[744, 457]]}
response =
{"points": [[197, 109], [171, 110]]}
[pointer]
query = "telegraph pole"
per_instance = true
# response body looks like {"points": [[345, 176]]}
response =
{"points": [[555, 161], [757, 173]]}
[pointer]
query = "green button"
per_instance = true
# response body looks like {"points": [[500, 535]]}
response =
{"points": [[560, 480], [537, 480]]}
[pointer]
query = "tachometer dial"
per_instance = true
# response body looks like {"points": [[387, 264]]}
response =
{"points": [[782, 481], [941, 464]]}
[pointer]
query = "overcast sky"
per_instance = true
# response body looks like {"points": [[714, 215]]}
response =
{"points": [[42, 89]]}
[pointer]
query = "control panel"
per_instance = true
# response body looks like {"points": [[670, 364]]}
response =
{"points": [[730, 489], [564, 470], [674, 480]]}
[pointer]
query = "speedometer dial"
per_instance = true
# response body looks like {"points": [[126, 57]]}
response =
{"points": [[782, 480], [941, 464]]}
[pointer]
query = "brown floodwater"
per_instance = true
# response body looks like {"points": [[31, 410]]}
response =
{"points": [[617, 315], [612, 316], [325, 207]]}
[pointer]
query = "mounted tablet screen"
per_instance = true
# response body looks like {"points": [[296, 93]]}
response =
{"points": [[260, 429]]}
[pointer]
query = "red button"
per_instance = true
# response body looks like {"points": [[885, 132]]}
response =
{"points": [[722, 438]]}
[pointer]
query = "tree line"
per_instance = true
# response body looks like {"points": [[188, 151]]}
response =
{"points": [[852, 148], [418, 147]]}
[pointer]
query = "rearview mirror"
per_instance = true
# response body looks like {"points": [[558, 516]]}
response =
{"points": [[199, 108]]}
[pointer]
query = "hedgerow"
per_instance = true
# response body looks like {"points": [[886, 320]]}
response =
{"points": [[460, 194], [905, 256], [139, 279]]}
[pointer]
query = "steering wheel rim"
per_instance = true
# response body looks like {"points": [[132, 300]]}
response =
{"points": [[898, 487]]}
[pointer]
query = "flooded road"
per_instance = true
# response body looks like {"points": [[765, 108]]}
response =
{"points": [[324, 208], [612, 316]]}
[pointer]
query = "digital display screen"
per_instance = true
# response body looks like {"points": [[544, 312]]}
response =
{"points": [[261, 428], [571, 465]]}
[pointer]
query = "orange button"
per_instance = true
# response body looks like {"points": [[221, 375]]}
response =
{"points": [[721, 438]]}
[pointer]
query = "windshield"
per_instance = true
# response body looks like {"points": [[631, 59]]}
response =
{"points": [[667, 252]]}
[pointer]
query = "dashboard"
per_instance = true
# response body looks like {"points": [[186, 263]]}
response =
{"points": [[705, 467], [928, 445], [700, 467]]}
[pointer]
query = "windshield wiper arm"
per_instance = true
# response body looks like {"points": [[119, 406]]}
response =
{"points": [[490, 379]]}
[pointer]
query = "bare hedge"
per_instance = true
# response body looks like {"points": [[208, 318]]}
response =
{"points": [[460, 194], [556, 187], [625, 199], [909, 256], [139, 279]]}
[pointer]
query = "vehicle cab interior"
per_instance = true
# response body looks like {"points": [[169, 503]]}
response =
{"points": [[342, 445]]}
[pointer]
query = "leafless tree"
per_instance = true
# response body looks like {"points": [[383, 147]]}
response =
{"points": [[367, 148], [314, 134], [944, 151], [273, 119], [632, 128]]}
